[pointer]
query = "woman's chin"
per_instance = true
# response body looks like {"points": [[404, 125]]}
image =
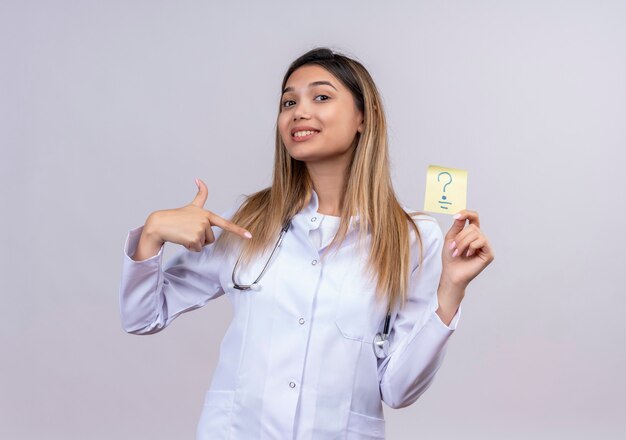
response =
{"points": [[312, 153], [303, 158], [301, 155]]}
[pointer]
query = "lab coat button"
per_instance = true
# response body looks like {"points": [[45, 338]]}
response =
{"points": [[292, 384], [313, 219], [301, 321], [314, 262]]}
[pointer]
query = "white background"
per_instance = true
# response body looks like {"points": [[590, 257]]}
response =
{"points": [[108, 110]]}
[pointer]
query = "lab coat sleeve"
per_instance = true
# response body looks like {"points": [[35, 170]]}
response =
{"points": [[152, 294], [418, 337]]}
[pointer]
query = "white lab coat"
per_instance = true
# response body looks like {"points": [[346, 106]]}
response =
{"points": [[297, 360]]}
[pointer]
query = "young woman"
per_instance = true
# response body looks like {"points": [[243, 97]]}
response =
{"points": [[343, 298]]}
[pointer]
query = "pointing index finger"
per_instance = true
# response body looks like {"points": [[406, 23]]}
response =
{"points": [[228, 226]]}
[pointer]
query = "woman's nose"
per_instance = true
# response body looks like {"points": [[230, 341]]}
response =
{"points": [[300, 111]]}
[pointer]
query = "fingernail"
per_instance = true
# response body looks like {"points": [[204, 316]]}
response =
{"points": [[457, 216], [452, 245], [197, 183], [456, 251], [467, 253], [247, 234]]}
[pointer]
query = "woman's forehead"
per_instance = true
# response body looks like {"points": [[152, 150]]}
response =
{"points": [[310, 76]]}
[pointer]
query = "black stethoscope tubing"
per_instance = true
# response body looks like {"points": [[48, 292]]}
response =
{"points": [[381, 341]]}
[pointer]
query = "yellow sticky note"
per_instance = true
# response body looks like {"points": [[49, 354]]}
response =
{"points": [[446, 190]]}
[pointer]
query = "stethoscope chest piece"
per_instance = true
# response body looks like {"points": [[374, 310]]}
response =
{"points": [[381, 341], [253, 286], [381, 346]]}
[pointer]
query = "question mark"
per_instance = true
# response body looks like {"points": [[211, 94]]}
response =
{"points": [[443, 197]]}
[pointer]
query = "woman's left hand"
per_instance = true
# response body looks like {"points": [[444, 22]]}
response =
{"points": [[466, 251]]}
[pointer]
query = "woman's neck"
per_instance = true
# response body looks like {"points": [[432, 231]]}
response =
{"points": [[329, 182]]}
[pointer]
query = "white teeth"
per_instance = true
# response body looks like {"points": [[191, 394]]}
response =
{"points": [[303, 133]]}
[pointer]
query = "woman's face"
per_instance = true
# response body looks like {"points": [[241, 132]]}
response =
{"points": [[314, 100]]}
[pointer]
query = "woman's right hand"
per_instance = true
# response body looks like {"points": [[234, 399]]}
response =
{"points": [[189, 226]]}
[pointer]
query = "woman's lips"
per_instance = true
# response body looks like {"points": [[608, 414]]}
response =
{"points": [[304, 138]]}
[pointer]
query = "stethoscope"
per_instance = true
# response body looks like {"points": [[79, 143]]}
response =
{"points": [[381, 341]]}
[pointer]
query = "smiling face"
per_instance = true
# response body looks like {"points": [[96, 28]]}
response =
{"points": [[319, 119]]}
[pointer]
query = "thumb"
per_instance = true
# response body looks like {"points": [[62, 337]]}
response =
{"points": [[203, 192]]}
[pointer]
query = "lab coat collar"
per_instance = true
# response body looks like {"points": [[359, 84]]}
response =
{"points": [[309, 214]]}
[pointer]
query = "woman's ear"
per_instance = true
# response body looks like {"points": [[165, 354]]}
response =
{"points": [[361, 124]]}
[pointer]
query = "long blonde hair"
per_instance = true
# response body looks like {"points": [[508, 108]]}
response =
{"points": [[369, 191]]}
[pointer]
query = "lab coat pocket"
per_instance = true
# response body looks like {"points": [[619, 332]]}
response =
{"points": [[356, 309], [216, 414], [362, 427]]}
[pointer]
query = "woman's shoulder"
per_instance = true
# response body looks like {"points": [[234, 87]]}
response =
{"points": [[428, 226], [431, 235], [421, 219]]}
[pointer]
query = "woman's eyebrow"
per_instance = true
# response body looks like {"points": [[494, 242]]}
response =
{"points": [[313, 84]]}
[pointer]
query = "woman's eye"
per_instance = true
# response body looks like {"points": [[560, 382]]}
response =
{"points": [[285, 103]]}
